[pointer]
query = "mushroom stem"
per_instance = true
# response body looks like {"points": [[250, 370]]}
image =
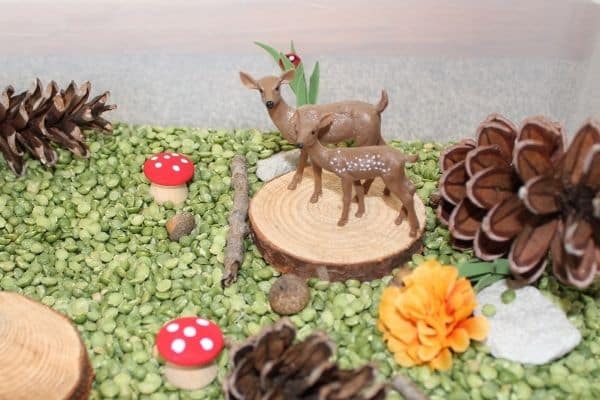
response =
{"points": [[175, 194], [190, 378]]}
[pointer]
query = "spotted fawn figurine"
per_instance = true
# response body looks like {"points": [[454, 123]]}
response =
{"points": [[352, 164], [354, 120]]}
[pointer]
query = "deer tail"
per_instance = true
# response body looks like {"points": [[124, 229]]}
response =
{"points": [[383, 102]]}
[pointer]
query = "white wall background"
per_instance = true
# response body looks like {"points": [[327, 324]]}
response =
{"points": [[445, 64]]}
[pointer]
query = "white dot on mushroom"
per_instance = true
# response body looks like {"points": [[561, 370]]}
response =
{"points": [[167, 157], [202, 322], [154, 158], [184, 161], [178, 346], [172, 327], [206, 344], [176, 168], [189, 331], [158, 165]]}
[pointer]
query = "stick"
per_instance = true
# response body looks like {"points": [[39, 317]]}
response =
{"points": [[407, 388], [234, 251]]}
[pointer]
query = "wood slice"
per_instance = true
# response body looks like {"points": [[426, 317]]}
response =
{"points": [[297, 236], [41, 353]]}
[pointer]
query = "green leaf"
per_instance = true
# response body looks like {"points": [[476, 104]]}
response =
{"points": [[292, 48], [313, 90], [486, 281], [469, 270], [301, 89], [501, 266], [274, 53]]}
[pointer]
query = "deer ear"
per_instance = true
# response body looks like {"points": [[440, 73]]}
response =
{"points": [[287, 76], [326, 120], [248, 81]]}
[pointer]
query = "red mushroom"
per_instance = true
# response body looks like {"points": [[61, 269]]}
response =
{"points": [[190, 346], [294, 59], [168, 174]]}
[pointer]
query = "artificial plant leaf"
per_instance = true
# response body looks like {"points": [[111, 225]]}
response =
{"points": [[292, 48], [455, 153], [301, 89], [484, 157], [465, 220], [582, 275], [486, 281], [502, 266], [532, 159], [488, 249], [496, 133], [531, 246], [572, 165], [541, 195], [544, 131], [313, 90], [490, 186], [272, 52], [452, 183], [505, 220], [471, 269], [591, 168]]}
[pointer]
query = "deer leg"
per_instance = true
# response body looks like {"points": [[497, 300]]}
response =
{"points": [[318, 190], [347, 197], [299, 170], [360, 196], [405, 193], [386, 190]]}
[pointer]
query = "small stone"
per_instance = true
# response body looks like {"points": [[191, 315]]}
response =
{"points": [[528, 330], [180, 225], [289, 295], [277, 165]]}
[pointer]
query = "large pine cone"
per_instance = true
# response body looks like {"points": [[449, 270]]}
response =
{"points": [[32, 120], [521, 193], [271, 366]]}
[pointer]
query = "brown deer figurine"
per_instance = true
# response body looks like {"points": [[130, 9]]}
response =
{"points": [[354, 120], [353, 164]]}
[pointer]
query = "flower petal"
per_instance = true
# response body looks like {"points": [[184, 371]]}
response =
{"points": [[578, 232], [582, 275], [541, 195], [531, 159], [428, 353], [459, 340], [572, 164], [488, 249], [443, 361], [465, 220], [452, 183], [505, 220], [531, 246], [591, 168], [484, 157], [455, 153], [490, 186], [404, 359], [497, 132], [477, 327], [544, 131]]}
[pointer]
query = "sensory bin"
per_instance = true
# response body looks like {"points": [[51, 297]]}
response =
{"points": [[87, 240]]}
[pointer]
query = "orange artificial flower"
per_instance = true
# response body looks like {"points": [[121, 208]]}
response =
{"points": [[431, 314]]}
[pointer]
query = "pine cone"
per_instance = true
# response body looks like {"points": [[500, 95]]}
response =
{"points": [[271, 366], [522, 194], [34, 119]]}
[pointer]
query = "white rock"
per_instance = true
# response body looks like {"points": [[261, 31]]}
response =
{"points": [[530, 330], [278, 164]]}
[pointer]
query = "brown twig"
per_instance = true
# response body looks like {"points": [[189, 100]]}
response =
{"points": [[407, 388], [234, 251]]}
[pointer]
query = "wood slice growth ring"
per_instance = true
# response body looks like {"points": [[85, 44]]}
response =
{"points": [[41, 353], [303, 238]]}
